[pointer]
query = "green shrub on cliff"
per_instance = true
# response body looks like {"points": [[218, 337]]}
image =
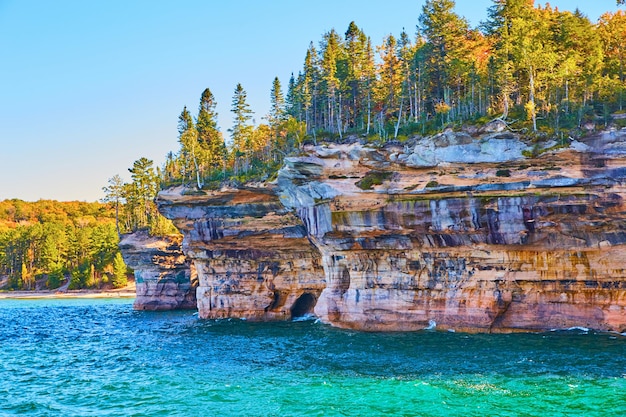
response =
{"points": [[373, 178]]}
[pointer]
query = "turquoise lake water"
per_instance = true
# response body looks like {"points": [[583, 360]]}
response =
{"points": [[101, 358]]}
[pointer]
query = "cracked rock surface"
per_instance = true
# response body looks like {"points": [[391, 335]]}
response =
{"points": [[461, 231]]}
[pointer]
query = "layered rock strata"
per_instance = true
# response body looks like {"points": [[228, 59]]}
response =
{"points": [[165, 279], [468, 235], [252, 255]]}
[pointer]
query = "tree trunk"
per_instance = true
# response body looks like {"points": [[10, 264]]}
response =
{"points": [[369, 112], [117, 216], [567, 97], [531, 96], [339, 129], [329, 117], [395, 135], [417, 104], [195, 162]]}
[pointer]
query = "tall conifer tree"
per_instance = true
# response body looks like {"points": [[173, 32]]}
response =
{"points": [[277, 105], [331, 54], [446, 33], [190, 151], [209, 136], [241, 132]]}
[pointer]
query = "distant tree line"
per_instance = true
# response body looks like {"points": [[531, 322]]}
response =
{"points": [[46, 242], [544, 71]]}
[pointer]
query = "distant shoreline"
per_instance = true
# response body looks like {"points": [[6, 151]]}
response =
{"points": [[126, 292]]}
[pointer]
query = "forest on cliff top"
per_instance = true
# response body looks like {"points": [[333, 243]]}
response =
{"points": [[547, 73]]}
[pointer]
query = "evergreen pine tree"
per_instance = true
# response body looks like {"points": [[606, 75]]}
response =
{"points": [[368, 80], [291, 100], [446, 33], [114, 193], [500, 27], [241, 131], [310, 89], [143, 190], [190, 150], [390, 86], [332, 52], [277, 105], [209, 136], [185, 122], [119, 272], [355, 55]]}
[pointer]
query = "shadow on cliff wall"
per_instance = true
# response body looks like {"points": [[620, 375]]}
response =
{"points": [[303, 306]]}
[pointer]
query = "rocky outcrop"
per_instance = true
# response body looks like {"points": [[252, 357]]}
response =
{"points": [[468, 235], [165, 279], [460, 147], [252, 255]]}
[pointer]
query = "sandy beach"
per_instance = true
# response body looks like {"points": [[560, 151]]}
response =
{"points": [[126, 292]]}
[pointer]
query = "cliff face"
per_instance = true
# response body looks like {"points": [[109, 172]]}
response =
{"points": [[252, 255], [405, 237], [165, 279]]}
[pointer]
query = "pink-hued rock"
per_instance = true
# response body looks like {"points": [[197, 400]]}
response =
{"points": [[366, 240], [165, 279], [253, 257]]}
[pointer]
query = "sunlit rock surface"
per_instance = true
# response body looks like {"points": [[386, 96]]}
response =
{"points": [[253, 257], [468, 234], [165, 279]]}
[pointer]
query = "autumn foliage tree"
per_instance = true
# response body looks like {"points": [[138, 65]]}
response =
{"points": [[45, 243], [541, 69]]}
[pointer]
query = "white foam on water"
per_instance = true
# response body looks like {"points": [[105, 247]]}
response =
{"points": [[306, 317], [572, 329], [582, 329]]}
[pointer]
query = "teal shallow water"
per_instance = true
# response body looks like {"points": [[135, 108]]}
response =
{"points": [[101, 358]]}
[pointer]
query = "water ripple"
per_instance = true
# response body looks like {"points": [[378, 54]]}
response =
{"points": [[101, 358]]}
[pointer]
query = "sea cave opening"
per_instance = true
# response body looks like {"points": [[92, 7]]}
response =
{"points": [[303, 306]]}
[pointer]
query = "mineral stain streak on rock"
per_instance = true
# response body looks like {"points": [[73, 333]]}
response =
{"points": [[165, 279], [458, 230], [253, 257]]}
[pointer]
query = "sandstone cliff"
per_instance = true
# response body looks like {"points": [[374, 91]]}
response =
{"points": [[165, 279], [253, 257], [458, 230]]}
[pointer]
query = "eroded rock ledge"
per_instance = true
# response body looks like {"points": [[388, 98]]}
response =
{"points": [[468, 234], [253, 256], [165, 279]]}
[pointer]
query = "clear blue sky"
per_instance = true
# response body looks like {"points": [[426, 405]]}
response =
{"points": [[87, 87]]}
